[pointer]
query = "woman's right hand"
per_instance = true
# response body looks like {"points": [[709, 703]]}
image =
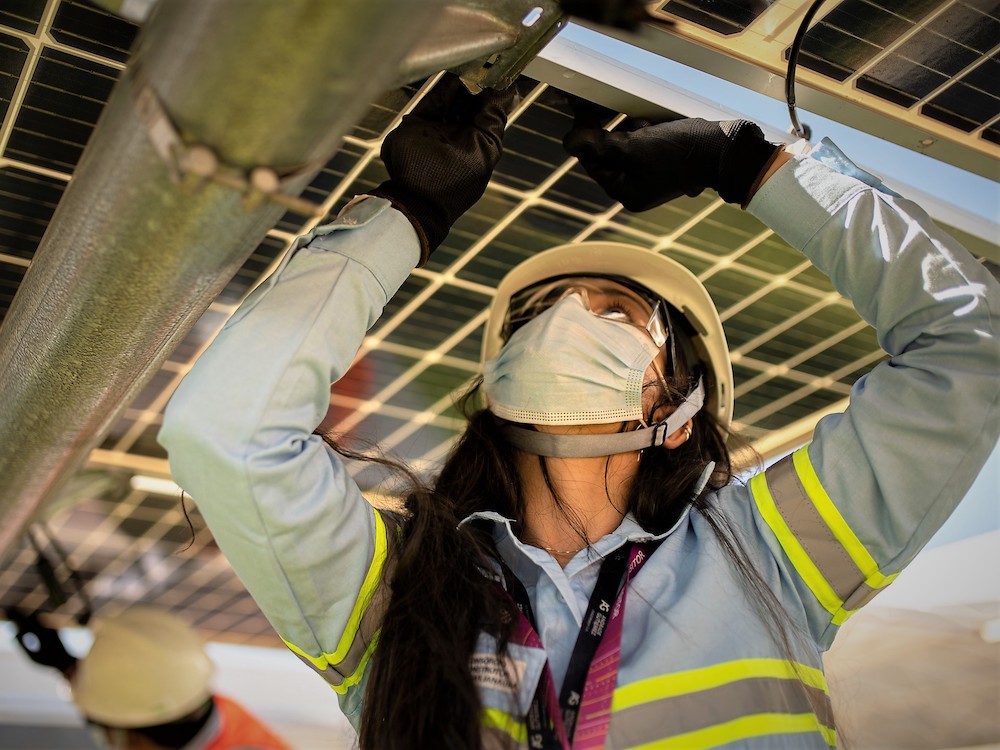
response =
{"points": [[441, 156]]}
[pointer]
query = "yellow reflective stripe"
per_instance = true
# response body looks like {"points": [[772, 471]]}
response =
{"points": [[368, 586], [789, 542], [494, 718], [745, 727], [839, 618], [841, 530], [705, 678]]}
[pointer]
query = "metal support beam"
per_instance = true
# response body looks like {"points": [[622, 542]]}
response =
{"points": [[132, 258]]}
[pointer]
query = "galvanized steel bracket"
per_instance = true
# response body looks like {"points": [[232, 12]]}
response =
{"points": [[534, 22], [487, 44], [500, 39], [192, 165]]}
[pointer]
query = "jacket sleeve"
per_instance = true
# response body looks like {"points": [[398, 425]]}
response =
{"points": [[239, 434], [847, 512]]}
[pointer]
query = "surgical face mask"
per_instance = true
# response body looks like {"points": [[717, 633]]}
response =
{"points": [[571, 365]]}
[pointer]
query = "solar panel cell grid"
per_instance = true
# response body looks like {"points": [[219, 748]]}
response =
{"points": [[27, 202], [468, 348], [23, 15], [436, 383], [670, 217], [471, 228], [970, 101], [796, 347], [373, 372], [88, 28], [13, 55], [724, 17], [410, 289], [252, 271], [59, 111]]}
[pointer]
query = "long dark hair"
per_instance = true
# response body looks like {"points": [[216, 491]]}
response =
{"points": [[420, 691]]}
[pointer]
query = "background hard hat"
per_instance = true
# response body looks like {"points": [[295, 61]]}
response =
{"points": [[655, 271], [146, 667]]}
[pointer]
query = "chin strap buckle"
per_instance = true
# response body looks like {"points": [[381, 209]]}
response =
{"points": [[660, 434]]}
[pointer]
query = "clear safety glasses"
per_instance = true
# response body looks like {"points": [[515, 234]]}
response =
{"points": [[605, 297]]}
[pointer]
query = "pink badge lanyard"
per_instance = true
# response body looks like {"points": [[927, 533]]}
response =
{"points": [[580, 716]]}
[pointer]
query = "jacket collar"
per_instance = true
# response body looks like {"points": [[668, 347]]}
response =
{"points": [[527, 561]]}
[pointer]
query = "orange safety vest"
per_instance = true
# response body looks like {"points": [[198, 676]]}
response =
{"points": [[239, 729]]}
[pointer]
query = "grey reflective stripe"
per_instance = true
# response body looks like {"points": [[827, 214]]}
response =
{"points": [[331, 675], [861, 597], [703, 709], [371, 621], [812, 532]]}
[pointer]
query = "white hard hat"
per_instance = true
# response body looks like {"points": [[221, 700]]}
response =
{"points": [[661, 275], [145, 667]]}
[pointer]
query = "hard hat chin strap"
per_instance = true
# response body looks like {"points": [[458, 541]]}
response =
{"points": [[558, 445]]}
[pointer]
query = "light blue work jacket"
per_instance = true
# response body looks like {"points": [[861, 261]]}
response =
{"points": [[827, 527]]}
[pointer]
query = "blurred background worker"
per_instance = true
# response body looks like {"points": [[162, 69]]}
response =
{"points": [[145, 684]]}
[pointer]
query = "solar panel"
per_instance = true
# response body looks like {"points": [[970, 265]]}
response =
{"points": [[87, 28], [723, 16], [797, 347], [921, 73], [935, 55], [61, 105], [24, 15]]}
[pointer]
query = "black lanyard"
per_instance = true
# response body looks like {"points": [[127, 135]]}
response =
{"points": [[541, 733]]}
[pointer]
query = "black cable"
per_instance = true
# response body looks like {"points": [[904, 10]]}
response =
{"points": [[802, 131], [74, 575], [47, 571]]}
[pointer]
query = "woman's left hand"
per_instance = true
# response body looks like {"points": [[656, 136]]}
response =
{"points": [[647, 166]]}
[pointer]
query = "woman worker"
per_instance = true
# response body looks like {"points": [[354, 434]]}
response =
{"points": [[584, 572]]}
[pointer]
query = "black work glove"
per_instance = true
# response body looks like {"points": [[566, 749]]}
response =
{"points": [[625, 14], [652, 164], [41, 643], [441, 156]]}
